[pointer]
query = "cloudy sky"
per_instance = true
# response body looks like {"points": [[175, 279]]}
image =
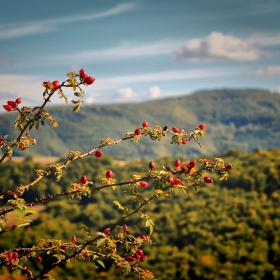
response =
{"points": [[139, 50]]}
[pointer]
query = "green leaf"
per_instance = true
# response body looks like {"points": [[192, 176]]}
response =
{"points": [[19, 211], [30, 212], [23, 225], [78, 94], [27, 221], [100, 242], [101, 263], [76, 108]]}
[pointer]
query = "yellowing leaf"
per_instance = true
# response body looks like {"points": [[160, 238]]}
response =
{"points": [[55, 125], [159, 192], [76, 109], [202, 133], [101, 263], [100, 242]]}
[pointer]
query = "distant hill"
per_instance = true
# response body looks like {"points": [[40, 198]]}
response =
{"points": [[242, 119]]}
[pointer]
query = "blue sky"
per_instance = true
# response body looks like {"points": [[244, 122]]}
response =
{"points": [[139, 50]]}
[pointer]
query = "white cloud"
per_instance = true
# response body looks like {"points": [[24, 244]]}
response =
{"points": [[154, 92], [270, 71], [126, 93], [102, 84], [20, 84], [122, 51], [8, 31], [216, 46], [264, 39]]}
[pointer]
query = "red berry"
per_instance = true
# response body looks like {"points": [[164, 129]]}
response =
{"points": [[10, 255], [175, 129], [46, 84], [15, 255], [184, 142], [143, 184], [38, 259], [109, 174], [137, 131], [146, 270], [130, 258], [89, 80], [107, 231], [181, 130], [202, 126], [140, 252], [137, 256], [227, 165], [18, 100], [192, 164], [151, 165], [143, 258], [125, 228], [12, 103], [98, 153], [177, 163], [86, 254], [56, 84], [63, 248], [83, 74], [143, 237], [73, 239], [8, 107], [145, 124], [208, 180], [83, 180], [175, 181]]}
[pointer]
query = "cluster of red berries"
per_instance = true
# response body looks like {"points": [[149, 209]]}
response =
{"points": [[139, 255], [138, 131], [12, 105], [86, 79], [177, 130], [174, 181], [83, 75], [12, 255], [182, 131]]}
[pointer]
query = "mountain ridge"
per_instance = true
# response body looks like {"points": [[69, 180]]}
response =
{"points": [[242, 119]]}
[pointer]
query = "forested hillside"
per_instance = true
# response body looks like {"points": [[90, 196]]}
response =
{"points": [[242, 119], [228, 230]]}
